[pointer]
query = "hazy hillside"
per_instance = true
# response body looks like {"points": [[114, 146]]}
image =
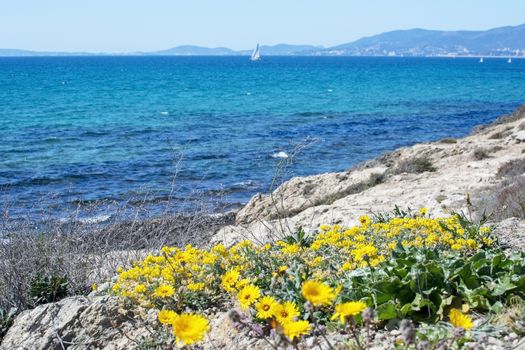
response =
{"points": [[191, 50], [498, 41]]}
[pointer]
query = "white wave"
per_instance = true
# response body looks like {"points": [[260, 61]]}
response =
{"points": [[280, 155], [95, 219], [245, 183], [164, 113], [87, 220]]}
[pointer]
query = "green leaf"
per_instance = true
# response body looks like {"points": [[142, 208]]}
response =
{"points": [[387, 311], [503, 286]]}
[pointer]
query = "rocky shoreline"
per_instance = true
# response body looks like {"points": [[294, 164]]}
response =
{"points": [[470, 174], [436, 175]]}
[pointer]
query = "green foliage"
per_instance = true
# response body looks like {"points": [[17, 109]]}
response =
{"points": [[49, 289], [300, 237], [6, 320], [423, 284]]}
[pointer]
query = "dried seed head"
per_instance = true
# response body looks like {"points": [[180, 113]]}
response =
{"points": [[368, 315], [308, 307], [458, 332], [234, 316], [408, 332]]}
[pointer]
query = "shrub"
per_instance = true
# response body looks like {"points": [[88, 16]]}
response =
{"points": [[49, 289], [501, 134], [480, 154], [415, 166], [506, 200], [440, 198], [512, 168], [495, 149], [448, 140], [376, 179]]}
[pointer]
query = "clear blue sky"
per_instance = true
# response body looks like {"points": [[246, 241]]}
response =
{"points": [[141, 25]]}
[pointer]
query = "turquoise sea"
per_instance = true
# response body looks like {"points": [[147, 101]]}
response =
{"points": [[77, 131]]}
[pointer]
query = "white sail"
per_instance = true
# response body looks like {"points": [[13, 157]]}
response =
{"points": [[510, 60], [256, 55], [481, 60]]}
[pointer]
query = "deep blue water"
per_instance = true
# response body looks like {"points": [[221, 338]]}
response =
{"points": [[78, 130]]}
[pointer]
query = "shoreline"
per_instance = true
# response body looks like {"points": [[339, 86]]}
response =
{"points": [[437, 175]]}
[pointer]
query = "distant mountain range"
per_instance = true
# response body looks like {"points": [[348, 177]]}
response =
{"points": [[422, 42], [503, 41]]}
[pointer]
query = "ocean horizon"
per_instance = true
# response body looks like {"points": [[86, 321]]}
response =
{"points": [[79, 131]]}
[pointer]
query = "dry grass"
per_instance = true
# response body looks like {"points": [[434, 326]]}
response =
{"points": [[87, 253], [480, 154], [512, 316], [505, 200], [449, 140], [512, 168]]}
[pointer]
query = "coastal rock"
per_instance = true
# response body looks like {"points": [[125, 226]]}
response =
{"points": [[301, 193], [75, 323], [45, 326]]}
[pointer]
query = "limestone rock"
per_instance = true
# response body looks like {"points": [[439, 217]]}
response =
{"points": [[301, 193], [75, 323]]}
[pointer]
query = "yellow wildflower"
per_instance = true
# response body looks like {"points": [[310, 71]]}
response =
{"points": [[294, 329], [347, 266], [365, 220], [195, 287], [344, 310], [318, 293], [242, 283], [423, 211], [285, 312], [164, 291], [282, 269], [265, 307], [229, 279], [189, 328], [460, 320], [291, 249], [167, 316], [248, 295], [140, 288], [456, 246], [487, 241]]}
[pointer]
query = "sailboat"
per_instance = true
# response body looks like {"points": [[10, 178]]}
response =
{"points": [[510, 60], [256, 55], [481, 60]]}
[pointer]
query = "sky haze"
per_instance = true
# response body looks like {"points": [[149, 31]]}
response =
{"points": [[139, 25]]}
